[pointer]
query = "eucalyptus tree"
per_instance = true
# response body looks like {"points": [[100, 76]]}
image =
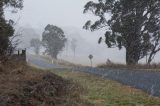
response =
{"points": [[130, 24], [53, 39]]}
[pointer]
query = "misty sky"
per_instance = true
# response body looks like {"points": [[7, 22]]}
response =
{"points": [[38, 13]]}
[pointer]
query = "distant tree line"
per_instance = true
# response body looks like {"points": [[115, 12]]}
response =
{"points": [[131, 24], [54, 41]]}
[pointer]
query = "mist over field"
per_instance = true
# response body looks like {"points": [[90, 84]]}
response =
{"points": [[32, 20], [83, 49]]}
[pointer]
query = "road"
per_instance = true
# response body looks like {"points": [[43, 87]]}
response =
{"points": [[42, 63], [148, 81]]}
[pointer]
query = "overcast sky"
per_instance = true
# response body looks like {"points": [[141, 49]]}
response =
{"points": [[38, 13]]}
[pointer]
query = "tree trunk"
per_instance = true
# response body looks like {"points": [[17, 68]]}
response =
{"points": [[149, 61], [150, 58], [132, 49], [37, 51], [91, 62], [74, 52], [54, 56], [132, 56]]}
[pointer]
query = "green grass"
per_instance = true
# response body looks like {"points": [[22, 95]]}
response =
{"points": [[105, 92]]}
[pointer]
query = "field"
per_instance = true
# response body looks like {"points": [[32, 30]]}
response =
{"points": [[147, 67], [104, 92]]}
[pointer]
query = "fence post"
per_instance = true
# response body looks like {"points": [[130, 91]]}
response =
{"points": [[18, 52]]}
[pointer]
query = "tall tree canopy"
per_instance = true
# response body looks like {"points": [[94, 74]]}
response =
{"points": [[133, 24], [54, 40], [6, 29]]}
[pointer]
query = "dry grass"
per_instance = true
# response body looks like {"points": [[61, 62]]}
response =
{"points": [[21, 85], [124, 66]]}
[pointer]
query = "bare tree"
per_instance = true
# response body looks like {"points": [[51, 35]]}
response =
{"points": [[14, 41]]}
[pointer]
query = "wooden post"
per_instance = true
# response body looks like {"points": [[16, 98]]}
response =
{"points": [[18, 52]]}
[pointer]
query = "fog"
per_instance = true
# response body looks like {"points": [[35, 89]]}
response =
{"points": [[68, 15]]}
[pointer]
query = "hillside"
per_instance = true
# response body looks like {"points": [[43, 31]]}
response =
{"points": [[22, 85]]}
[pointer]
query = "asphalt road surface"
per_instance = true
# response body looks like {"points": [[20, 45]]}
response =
{"points": [[42, 63], [148, 81]]}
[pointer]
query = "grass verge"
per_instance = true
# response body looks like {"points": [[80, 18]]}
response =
{"points": [[105, 92], [147, 67]]}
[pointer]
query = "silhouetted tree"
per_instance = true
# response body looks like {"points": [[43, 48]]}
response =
{"points": [[54, 40], [74, 45], [132, 24], [36, 44], [6, 29]]}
